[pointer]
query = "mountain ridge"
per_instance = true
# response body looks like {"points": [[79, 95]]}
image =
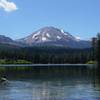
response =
{"points": [[48, 36]]}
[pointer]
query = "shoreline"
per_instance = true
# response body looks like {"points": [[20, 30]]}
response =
{"points": [[41, 65]]}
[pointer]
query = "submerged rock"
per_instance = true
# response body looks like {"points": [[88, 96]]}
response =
{"points": [[2, 80]]}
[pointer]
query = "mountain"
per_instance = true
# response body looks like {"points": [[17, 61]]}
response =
{"points": [[4, 39], [51, 36], [8, 42]]}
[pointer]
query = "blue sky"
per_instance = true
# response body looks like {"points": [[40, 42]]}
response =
{"points": [[22, 17]]}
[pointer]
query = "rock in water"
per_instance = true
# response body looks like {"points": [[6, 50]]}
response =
{"points": [[3, 80]]}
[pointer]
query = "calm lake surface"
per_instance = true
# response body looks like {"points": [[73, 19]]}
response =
{"points": [[56, 83]]}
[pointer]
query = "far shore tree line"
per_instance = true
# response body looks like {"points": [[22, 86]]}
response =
{"points": [[46, 55]]}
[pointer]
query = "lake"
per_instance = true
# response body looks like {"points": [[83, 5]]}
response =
{"points": [[50, 83]]}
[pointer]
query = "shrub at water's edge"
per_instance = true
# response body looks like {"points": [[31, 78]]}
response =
{"points": [[4, 61], [91, 62]]}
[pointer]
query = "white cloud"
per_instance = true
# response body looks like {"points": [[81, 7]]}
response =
{"points": [[8, 6]]}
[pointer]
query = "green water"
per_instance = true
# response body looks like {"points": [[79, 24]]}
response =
{"points": [[56, 83]]}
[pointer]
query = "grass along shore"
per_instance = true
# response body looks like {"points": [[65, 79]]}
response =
{"points": [[5, 61]]}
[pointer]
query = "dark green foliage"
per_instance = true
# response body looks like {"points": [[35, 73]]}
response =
{"points": [[98, 48], [47, 54], [96, 51], [94, 46]]}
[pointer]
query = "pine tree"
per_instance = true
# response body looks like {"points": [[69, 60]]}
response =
{"points": [[98, 49]]}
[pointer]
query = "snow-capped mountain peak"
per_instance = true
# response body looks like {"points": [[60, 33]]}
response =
{"points": [[50, 34], [53, 36]]}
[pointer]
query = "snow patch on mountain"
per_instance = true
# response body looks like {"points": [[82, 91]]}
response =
{"points": [[47, 34], [35, 35], [62, 31], [44, 38], [78, 38], [58, 37]]}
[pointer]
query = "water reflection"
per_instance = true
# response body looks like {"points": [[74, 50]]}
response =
{"points": [[51, 84]]}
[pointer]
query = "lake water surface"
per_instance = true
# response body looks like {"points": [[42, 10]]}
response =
{"points": [[60, 83]]}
